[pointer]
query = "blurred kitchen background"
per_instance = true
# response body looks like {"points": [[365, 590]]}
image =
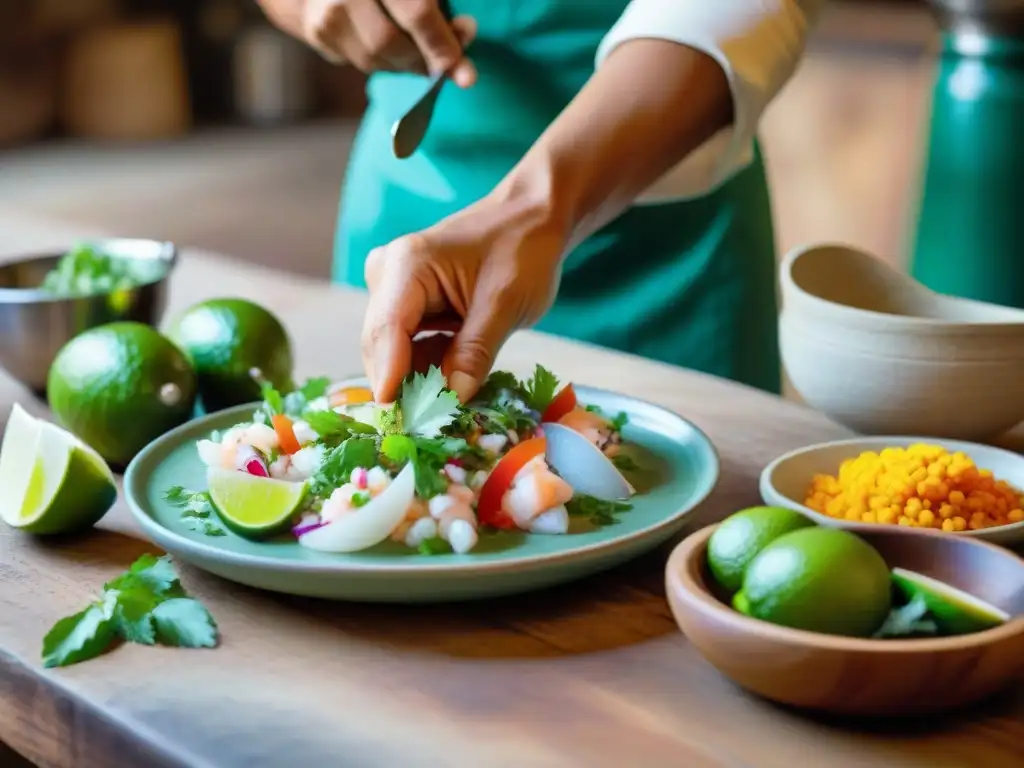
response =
{"points": [[193, 120]]}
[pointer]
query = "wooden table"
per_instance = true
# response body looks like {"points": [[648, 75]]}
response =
{"points": [[593, 674]]}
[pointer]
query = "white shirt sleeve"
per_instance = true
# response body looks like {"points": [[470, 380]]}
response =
{"points": [[758, 44]]}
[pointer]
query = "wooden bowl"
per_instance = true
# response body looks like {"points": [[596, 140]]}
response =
{"points": [[854, 676]]}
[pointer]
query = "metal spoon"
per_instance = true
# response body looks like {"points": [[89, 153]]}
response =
{"points": [[408, 131]]}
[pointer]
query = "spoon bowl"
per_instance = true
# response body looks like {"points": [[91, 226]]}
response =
{"points": [[882, 354]]}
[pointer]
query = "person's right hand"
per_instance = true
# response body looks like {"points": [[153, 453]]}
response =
{"points": [[391, 35]]}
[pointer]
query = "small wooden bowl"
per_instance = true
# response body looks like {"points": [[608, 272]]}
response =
{"points": [[854, 676]]}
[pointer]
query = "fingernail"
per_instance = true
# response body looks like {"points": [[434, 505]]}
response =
{"points": [[464, 74], [462, 384]]}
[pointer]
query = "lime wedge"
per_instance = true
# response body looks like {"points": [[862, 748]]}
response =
{"points": [[251, 506], [955, 612], [50, 481]]}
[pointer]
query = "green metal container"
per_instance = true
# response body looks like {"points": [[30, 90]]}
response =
{"points": [[970, 232]]}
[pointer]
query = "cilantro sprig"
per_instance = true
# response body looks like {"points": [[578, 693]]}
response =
{"points": [[196, 509], [146, 605], [425, 407], [540, 389], [338, 463], [598, 511]]}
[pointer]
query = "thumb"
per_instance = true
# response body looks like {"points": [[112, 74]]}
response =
{"points": [[470, 358]]}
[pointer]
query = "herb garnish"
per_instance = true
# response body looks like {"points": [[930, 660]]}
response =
{"points": [[196, 509], [434, 546], [540, 390], [338, 463], [145, 605], [84, 271], [598, 511]]}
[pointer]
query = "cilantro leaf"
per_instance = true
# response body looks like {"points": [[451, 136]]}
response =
{"points": [[330, 425], [338, 463], [540, 390], [620, 421], [428, 458], [625, 463], [132, 615], [273, 401], [426, 405], [81, 637], [143, 605], [434, 546], [154, 573], [184, 623], [910, 620], [196, 509], [498, 382], [598, 511], [314, 388]]}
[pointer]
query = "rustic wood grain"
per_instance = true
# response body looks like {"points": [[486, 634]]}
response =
{"points": [[591, 674]]}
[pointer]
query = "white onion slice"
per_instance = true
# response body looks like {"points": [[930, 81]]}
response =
{"points": [[583, 466], [369, 525]]}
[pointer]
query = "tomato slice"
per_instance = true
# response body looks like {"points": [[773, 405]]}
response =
{"points": [[488, 507], [350, 396], [563, 403], [285, 434]]}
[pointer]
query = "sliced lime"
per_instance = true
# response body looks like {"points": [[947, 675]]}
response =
{"points": [[50, 481], [251, 506], [955, 612]]}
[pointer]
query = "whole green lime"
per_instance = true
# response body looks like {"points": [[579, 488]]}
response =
{"points": [[226, 339], [819, 579], [739, 538], [119, 386]]}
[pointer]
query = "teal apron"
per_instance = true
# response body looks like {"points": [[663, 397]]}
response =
{"points": [[688, 283]]}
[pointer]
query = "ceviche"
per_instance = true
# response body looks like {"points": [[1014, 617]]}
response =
{"points": [[425, 471]]}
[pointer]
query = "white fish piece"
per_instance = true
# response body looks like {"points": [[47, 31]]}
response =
{"points": [[581, 464]]}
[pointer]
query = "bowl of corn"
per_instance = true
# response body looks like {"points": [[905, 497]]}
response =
{"points": [[961, 488]]}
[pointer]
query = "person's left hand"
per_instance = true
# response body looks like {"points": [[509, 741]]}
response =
{"points": [[491, 268]]}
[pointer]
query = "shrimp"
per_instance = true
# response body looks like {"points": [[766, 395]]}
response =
{"points": [[456, 521], [301, 465], [595, 427], [536, 490], [238, 445], [414, 528]]}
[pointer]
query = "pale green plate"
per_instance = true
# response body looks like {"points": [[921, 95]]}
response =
{"points": [[680, 469]]}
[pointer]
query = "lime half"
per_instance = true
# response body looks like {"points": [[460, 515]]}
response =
{"points": [[50, 481], [251, 506], [955, 612]]}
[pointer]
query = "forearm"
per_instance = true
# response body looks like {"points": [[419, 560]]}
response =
{"points": [[651, 104], [670, 76]]}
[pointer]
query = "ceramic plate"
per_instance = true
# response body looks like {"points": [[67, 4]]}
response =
{"points": [[784, 481], [680, 468]]}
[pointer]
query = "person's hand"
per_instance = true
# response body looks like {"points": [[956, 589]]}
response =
{"points": [[391, 35], [484, 272]]}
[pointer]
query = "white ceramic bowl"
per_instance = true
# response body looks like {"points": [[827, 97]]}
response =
{"points": [[784, 482], [881, 354]]}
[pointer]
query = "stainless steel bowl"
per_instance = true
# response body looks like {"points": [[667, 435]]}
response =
{"points": [[981, 18], [35, 325]]}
